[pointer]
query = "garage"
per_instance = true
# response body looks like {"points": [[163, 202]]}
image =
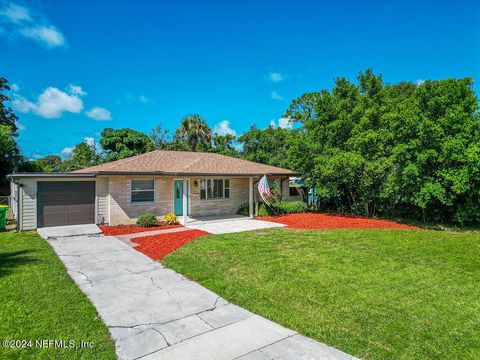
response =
{"points": [[65, 203]]}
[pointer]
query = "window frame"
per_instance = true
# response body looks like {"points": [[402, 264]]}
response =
{"points": [[290, 189], [204, 188], [140, 202]]}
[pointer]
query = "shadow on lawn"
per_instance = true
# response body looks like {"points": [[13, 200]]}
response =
{"points": [[11, 260]]}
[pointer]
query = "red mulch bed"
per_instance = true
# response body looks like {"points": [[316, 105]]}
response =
{"points": [[132, 229], [333, 221], [158, 246]]}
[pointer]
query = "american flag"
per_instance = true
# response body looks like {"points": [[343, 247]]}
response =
{"points": [[264, 190]]}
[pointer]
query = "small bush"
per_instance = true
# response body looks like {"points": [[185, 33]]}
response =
{"points": [[293, 207], [243, 209], [275, 208], [264, 210], [170, 219], [147, 220]]}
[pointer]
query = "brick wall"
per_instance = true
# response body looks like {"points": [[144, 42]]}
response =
{"points": [[206, 207], [123, 211]]}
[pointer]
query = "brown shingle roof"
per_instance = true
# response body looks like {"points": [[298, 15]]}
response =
{"points": [[185, 163]]}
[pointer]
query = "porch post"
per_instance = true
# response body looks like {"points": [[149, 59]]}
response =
{"points": [[250, 197], [185, 202]]}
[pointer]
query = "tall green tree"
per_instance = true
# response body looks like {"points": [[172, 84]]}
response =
{"points": [[224, 145], [123, 143], [161, 138], [392, 149], [83, 155], [193, 134], [9, 151], [50, 163], [268, 146]]}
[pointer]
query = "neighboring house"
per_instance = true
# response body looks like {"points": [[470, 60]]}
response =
{"points": [[157, 182]]}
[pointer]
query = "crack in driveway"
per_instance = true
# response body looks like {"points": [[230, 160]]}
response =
{"points": [[124, 300]]}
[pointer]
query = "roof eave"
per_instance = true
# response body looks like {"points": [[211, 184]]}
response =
{"points": [[51, 175], [168, 173]]}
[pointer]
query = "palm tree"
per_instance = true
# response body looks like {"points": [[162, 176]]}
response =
{"points": [[193, 131]]}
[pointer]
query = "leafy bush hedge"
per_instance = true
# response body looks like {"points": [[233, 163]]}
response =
{"points": [[147, 220], [293, 207], [395, 150], [276, 208], [243, 209]]}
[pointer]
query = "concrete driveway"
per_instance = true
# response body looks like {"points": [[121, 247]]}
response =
{"points": [[155, 313], [229, 224]]}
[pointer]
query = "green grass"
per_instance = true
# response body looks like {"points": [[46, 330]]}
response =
{"points": [[39, 301], [376, 294]]}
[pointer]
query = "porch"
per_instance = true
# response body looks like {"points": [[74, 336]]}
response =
{"points": [[223, 224]]}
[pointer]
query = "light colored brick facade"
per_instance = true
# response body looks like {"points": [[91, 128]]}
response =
{"points": [[113, 190], [123, 211], [205, 207], [113, 199]]}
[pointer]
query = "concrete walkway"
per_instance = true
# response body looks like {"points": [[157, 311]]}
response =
{"points": [[224, 224], [154, 313]]}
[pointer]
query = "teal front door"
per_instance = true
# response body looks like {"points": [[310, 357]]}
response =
{"points": [[178, 197]]}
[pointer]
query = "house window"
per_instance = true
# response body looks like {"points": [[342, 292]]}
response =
{"points": [[226, 189], [143, 191], [293, 191], [214, 188]]}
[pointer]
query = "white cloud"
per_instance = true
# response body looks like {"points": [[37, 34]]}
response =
{"points": [[284, 123], [15, 87], [23, 105], [419, 82], [275, 76], [52, 103], [133, 98], [89, 140], [276, 96], [67, 151], [15, 13], [99, 113], [17, 20], [223, 128], [47, 35], [21, 127], [76, 90]]}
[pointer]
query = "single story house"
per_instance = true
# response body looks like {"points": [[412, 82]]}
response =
{"points": [[186, 183]]}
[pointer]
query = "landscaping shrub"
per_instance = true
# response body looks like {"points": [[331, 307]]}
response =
{"points": [[147, 220], [275, 208], [170, 219], [243, 209], [264, 210], [293, 207]]}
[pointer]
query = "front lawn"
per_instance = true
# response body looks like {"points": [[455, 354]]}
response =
{"points": [[376, 294], [39, 301]]}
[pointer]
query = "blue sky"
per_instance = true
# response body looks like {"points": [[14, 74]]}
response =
{"points": [[80, 66]]}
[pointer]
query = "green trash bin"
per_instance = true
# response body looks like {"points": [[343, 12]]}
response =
{"points": [[3, 217]]}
